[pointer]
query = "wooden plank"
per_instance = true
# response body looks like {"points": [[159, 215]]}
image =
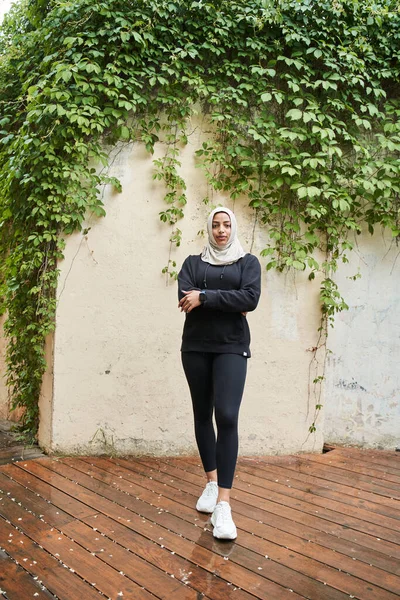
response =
{"points": [[387, 481], [322, 571], [281, 517], [238, 575], [330, 473], [317, 467], [387, 458], [18, 584], [319, 486], [341, 515], [288, 533], [141, 512], [59, 580], [32, 501], [337, 474], [111, 508], [301, 548], [310, 491], [184, 579], [156, 579], [197, 577], [296, 562], [95, 572], [266, 481], [56, 517], [15, 453], [355, 463], [64, 500]]}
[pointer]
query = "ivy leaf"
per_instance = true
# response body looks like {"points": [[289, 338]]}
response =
{"points": [[266, 97], [66, 75], [69, 41], [295, 114], [308, 191], [289, 170], [124, 133], [300, 266]]}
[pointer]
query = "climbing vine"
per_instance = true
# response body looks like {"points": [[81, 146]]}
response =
{"points": [[302, 101]]}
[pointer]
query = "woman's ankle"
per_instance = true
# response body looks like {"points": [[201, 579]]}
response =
{"points": [[212, 476], [224, 495]]}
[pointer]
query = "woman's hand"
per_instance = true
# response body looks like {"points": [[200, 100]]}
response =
{"points": [[190, 301]]}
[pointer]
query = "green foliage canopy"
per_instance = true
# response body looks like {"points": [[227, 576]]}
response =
{"points": [[303, 101]]}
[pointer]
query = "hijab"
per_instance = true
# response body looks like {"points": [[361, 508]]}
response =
{"points": [[232, 250]]}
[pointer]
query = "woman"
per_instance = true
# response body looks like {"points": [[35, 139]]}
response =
{"points": [[216, 290]]}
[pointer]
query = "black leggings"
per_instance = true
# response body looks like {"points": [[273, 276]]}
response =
{"points": [[216, 381]]}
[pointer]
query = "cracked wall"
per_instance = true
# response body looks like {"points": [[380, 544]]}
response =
{"points": [[118, 384], [363, 377]]}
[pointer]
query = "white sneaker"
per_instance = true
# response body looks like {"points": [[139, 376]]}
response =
{"points": [[224, 527], [208, 499]]}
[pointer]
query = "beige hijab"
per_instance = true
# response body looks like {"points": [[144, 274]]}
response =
{"points": [[231, 252]]}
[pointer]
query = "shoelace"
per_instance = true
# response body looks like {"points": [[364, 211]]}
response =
{"points": [[209, 491], [224, 513]]}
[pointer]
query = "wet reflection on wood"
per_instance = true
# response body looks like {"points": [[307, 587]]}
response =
{"points": [[324, 527]]}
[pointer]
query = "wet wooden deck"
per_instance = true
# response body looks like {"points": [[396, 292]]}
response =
{"points": [[325, 527]]}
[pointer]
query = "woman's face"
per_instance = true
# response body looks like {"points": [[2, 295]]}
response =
{"points": [[221, 228]]}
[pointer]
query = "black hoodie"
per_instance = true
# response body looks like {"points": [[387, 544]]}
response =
{"points": [[218, 325]]}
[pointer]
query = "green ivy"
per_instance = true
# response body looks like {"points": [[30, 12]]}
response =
{"points": [[303, 101]]}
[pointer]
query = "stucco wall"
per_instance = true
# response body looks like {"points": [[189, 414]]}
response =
{"points": [[363, 376], [118, 382]]}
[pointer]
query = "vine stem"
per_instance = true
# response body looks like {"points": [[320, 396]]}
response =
{"points": [[253, 233], [169, 262]]}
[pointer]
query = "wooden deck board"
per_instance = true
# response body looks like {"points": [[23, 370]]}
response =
{"points": [[354, 465], [360, 480], [16, 453], [295, 537], [320, 486], [277, 571], [325, 520], [323, 527], [15, 582]]}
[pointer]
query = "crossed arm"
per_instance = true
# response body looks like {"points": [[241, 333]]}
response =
{"points": [[243, 300]]}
